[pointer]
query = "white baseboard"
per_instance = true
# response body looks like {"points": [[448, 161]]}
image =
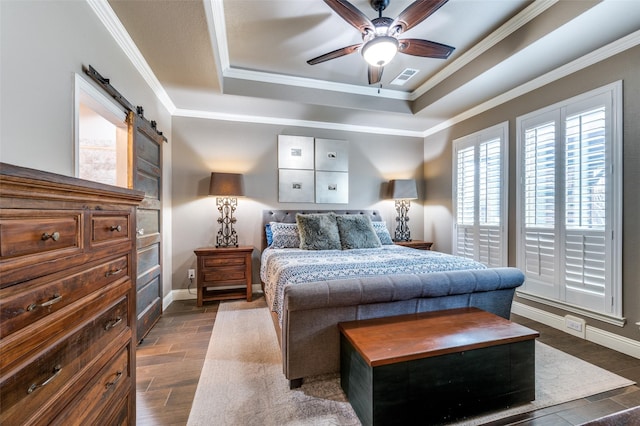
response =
{"points": [[605, 338]]}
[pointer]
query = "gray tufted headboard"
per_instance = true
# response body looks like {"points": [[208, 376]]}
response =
{"points": [[289, 216]]}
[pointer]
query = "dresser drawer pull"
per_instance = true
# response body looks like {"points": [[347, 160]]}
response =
{"points": [[55, 236], [116, 228], [56, 370], [109, 384], [55, 299], [111, 324], [140, 231], [114, 272]]}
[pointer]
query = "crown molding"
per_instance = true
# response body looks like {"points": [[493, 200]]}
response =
{"points": [[589, 59], [110, 20], [209, 115], [515, 23], [310, 83]]}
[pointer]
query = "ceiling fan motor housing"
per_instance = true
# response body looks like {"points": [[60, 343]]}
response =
{"points": [[379, 5]]}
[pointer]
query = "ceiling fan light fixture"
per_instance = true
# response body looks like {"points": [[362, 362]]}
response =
{"points": [[380, 50]]}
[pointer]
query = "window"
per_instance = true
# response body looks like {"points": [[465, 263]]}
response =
{"points": [[569, 201], [480, 197], [101, 153]]}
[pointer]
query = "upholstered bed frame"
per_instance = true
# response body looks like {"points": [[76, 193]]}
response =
{"points": [[308, 334]]}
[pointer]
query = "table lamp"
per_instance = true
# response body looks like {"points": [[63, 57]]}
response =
{"points": [[226, 187], [402, 191]]}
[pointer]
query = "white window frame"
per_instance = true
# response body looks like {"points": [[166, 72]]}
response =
{"points": [[554, 293], [475, 140], [87, 94]]}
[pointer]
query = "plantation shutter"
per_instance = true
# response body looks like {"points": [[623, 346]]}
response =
{"points": [[539, 205], [480, 196], [489, 197], [465, 232], [585, 212], [569, 202]]}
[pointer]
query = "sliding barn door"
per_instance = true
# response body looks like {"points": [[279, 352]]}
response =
{"points": [[146, 176]]}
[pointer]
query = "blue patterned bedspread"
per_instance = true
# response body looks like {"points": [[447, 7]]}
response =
{"points": [[283, 267]]}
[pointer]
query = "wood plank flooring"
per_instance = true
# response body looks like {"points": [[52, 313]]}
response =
{"points": [[171, 357]]}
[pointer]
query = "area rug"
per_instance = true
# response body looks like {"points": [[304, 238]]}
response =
{"points": [[242, 381]]}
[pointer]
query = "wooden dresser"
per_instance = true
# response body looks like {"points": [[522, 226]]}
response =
{"points": [[67, 300]]}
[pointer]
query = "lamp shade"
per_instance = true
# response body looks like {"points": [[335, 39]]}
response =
{"points": [[226, 184], [403, 189]]}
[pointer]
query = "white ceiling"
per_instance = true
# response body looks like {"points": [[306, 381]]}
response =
{"points": [[246, 59]]}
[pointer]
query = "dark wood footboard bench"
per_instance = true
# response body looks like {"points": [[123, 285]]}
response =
{"points": [[435, 366]]}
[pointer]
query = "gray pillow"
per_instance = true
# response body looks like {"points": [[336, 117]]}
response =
{"points": [[318, 231], [356, 232]]}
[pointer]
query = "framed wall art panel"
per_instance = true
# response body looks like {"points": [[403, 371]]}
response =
{"points": [[295, 152], [332, 187], [295, 186], [332, 155]]}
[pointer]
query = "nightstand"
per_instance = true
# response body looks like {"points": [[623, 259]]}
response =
{"points": [[223, 273], [416, 244]]}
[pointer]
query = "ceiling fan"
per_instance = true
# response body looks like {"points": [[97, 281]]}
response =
{"points": [[380, 41]]}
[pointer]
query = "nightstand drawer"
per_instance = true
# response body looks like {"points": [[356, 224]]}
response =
{"points": [[227, 273], [218, 261]]}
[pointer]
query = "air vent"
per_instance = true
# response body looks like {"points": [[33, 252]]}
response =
{"points": [[404, 76]]}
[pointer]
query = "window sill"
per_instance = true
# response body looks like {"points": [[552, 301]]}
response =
{"points": [[609, 319]]}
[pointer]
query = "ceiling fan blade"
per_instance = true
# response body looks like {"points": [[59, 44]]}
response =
{"points": [[375, 74], [425, 48], [415, 13], [335, 54], [351, 14]]}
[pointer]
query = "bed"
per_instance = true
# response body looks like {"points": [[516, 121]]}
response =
{"points": [[311, 289]]}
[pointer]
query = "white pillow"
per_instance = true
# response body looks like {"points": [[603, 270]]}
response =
{"points": [[284, 235], [382, 232]]}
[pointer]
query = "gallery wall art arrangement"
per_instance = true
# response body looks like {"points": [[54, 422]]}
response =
{"points": [[312, 170]]}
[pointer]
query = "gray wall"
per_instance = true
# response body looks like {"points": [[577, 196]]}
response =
{"points": [[43, 45], [200, 146], [438, 151]]}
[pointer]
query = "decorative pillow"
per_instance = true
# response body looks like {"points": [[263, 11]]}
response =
{"points": [[356, 232], [318, 231], [382, 232], [268, 234], [284, 235]]}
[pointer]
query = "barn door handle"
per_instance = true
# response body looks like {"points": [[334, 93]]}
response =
{"points": [[56, 370]]}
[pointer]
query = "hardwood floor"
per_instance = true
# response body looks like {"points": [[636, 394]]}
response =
{"points": [[171, 357], [169, 361]]}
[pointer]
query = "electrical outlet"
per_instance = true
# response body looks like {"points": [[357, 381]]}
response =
{"points": [[191, 274], [575, 326]]}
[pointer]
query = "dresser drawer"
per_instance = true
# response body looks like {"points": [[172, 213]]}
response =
{"points": [[29, 302], [28, 232], [106, 389], [34, 386], [109, 228]]}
